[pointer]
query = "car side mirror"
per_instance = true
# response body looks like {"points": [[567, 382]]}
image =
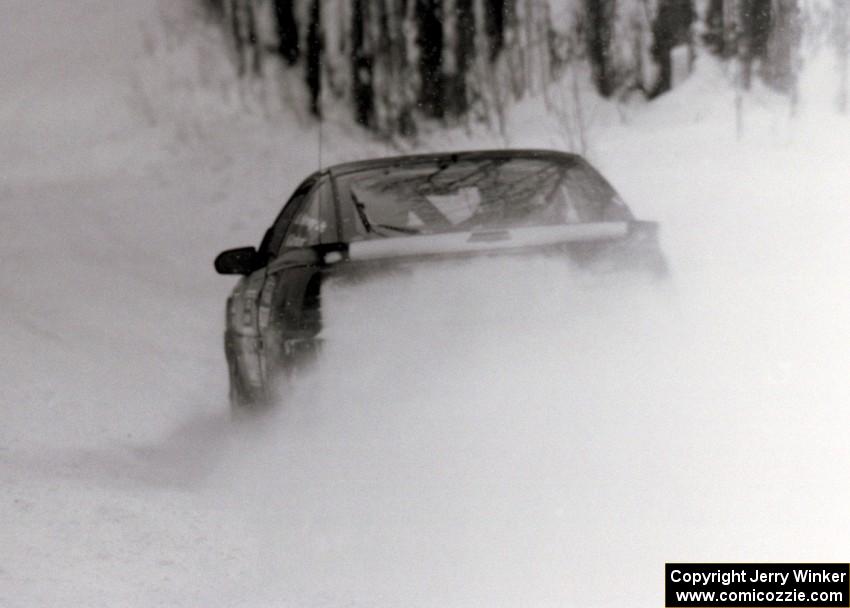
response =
{"points": [[243, 260]]}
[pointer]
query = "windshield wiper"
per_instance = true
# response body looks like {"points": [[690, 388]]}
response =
{"points": [[403, 229], [361, 211]]}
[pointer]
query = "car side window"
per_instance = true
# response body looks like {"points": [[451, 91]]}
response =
{"points": [[313, 223], [274, 236]]}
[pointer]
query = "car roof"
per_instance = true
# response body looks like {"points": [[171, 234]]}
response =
{"points": [[391, 161]]}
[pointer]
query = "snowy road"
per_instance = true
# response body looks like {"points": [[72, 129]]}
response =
{"points": [[457, 447], [480, 435]]}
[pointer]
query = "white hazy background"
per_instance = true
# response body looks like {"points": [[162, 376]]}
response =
{"points": [[487, 433]]}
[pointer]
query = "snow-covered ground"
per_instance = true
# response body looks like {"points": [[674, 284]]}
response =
{"points": [[477, 435]]}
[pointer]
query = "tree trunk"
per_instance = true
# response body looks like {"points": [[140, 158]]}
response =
{"points": [[244, 31], [494, 20], [672, 27], [429, 17], [755, 20], [313, 67], [361, 66], [780, 62], [714, 36], [464, 53], [287, 31], [599, 29]]}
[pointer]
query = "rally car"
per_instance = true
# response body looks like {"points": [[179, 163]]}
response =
{"points": [[364, 215]]}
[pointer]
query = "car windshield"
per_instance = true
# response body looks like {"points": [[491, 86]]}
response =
{"points": [[437, 196]]}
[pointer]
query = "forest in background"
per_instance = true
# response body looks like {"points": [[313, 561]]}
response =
{"points": [[394, 63]]}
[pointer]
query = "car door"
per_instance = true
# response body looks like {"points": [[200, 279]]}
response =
{"points": [[247, 319], [289, 312]]}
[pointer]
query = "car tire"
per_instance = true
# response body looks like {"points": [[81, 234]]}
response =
{"points": [[242, 398]]}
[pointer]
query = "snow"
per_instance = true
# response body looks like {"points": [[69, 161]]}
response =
{"points": [[477, 434]]}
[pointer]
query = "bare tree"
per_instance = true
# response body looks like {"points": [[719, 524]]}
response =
{"points": [[755, 21], [672, 26], [396, 62], [362, 65], [429, 19], [287, 31], [313, 65], [714, 35], [244, 29], [599, 15]]}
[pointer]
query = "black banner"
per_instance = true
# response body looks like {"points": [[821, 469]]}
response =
{"points": [[745, 585]]}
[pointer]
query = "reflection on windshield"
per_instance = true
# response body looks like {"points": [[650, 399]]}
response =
{"points": [[480, 194]]}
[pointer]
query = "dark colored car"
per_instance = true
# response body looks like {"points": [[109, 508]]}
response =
{"points": [[364, 215]]}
